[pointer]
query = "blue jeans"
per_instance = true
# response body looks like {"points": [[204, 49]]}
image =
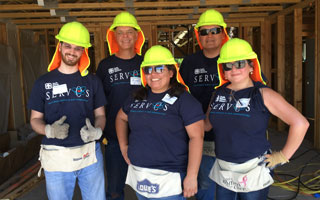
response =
{"points": [[116, 168], [225, 194], [207, 186], [60, 185]]}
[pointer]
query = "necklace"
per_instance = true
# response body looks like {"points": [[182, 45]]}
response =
{"points": [[232, 97]]}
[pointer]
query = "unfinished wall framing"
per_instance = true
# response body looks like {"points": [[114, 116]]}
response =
{"points": [[276, 29]]}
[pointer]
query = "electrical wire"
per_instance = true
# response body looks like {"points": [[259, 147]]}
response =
{"points": [[309, 187]]}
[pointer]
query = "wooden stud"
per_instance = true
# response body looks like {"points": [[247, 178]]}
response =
{"points": [[23, 95], [97, 51], [103, 46], [265, 50], [36, 37], [55, 32], [247, 34], [3, 34], [47, 44], [301, 5], [240, 31], [154, 36], [297, 81], [281, 63], [317, 77]]}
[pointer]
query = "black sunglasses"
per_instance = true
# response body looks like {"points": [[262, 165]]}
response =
{"points": [[157, 69], [237, 64], [213, 31]]}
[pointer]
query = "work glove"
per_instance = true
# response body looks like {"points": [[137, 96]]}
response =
{"points": [[89, 133], [275, 159], [58, 129]]}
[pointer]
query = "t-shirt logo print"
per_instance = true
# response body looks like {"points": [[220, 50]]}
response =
{"points": [[79, 90], [147, 186], [158, 105], [134, 73]]}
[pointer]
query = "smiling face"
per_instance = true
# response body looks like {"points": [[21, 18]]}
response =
{"points": [[211, 41], [70, 53], [159, 82], [238, 75], [126, 37]]}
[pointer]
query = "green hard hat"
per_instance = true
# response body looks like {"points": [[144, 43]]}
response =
{"points": [[236, 49], [74, 33], [158, 55], [125, 19], [211, 17]]}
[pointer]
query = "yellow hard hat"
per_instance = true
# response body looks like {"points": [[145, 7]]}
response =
{"points": [[159, 55], [238, 49], [77, 34], [211, 17], [124, 19]]}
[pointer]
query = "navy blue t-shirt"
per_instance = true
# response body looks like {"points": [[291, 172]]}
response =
{"points": [[56, 94], [239, 120], [119, 77], [158, 138], [201, 75]]}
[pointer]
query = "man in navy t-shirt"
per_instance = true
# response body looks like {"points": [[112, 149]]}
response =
{"points": [[67, 106], [199, 71], [120, 75]]}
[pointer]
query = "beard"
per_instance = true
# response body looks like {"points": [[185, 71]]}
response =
{"points": [[69, 62]]}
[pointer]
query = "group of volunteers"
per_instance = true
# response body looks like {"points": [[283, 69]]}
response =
{"points": [[169, 132]]}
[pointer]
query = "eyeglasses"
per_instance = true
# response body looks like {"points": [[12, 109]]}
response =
{"points": [[237, 64], [213, 31], [157, 69], [69, 47]]}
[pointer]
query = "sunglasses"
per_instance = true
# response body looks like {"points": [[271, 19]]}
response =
{"points": [[213, 31], [157, 69], [237, 64]]}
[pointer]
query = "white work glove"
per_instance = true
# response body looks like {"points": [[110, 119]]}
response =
{"points": [[89, 133], [275, 159], [58, 129]]}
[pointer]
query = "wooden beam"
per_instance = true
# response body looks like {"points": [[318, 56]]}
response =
{"points": [[111, 13], [317, 77], [145, 4], [281, 78], [297, 81], [35, 16], [290, 9], [88, 23], [266, 49]]}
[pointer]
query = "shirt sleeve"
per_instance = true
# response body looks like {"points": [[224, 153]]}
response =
{"points": [[100, 97], [126, 105], [36, 99], [190, 109]]}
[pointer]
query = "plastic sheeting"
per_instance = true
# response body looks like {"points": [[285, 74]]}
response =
{"points": [[34, 62], [8, 63], [8, 66]]}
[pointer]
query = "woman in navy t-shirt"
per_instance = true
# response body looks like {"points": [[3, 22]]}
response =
{"points": [[239, 113], [164, 146]]}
